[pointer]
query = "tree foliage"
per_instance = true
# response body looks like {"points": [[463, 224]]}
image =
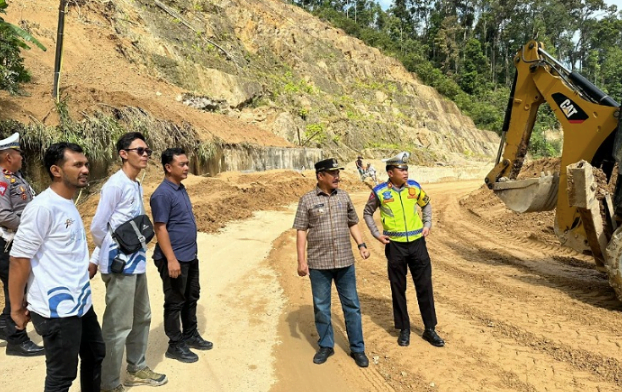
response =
{"points": [[12, 40], [464, 48]]}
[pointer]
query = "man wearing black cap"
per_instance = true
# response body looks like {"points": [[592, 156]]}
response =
{"points": [[404, 238], [15, 193], [325, 219]]}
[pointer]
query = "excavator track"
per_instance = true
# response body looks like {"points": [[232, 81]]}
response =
{"points": [[613, 262]]}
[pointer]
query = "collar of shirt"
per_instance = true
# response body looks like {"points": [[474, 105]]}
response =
{"points": [[398, 188], [173, 185], [319, 192]]}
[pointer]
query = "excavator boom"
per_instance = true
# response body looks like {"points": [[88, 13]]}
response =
{"points": [[592, 139], [588, 117]]}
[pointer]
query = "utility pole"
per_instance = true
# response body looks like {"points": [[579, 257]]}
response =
{"points": [[58, 57]]}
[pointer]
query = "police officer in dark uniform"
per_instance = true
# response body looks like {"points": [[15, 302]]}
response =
{"points": [[404, 237], [15, 193]]}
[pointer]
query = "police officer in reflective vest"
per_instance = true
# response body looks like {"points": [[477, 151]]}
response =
{"points": [[15, 193], [404, 238]]}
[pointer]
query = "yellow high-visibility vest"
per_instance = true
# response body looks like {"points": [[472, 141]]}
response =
{"points": [[398, 210]]}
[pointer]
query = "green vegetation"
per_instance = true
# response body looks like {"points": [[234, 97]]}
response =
{"points": [[98, 133], [463, 47], [316, 133], [12, 40]]}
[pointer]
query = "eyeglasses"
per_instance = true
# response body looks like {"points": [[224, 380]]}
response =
{"points": [[140, 150]]}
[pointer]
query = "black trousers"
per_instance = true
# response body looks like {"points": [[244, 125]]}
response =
{"points": [[180, 300], [414, 256], [13, 335], [65, 339]]}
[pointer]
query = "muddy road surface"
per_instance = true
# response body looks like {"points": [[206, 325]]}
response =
{"points": [[518, 312]]}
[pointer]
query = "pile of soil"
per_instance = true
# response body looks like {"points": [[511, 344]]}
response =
{"points": [[234, 196], [535, 225], [484, 204]]}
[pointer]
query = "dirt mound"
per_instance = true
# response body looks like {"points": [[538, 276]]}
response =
{"points": [[536, 225], [484, 204], [96, 76], [234, 196], [535, 168]]}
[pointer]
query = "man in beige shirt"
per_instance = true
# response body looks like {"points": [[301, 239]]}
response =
{"points": [[324, 221]]}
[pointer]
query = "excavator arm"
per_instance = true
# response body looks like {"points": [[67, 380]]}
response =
{"points": [[589, 119]]}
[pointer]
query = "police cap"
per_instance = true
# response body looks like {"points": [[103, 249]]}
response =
{"points": [[10, 142], [327, 164]]}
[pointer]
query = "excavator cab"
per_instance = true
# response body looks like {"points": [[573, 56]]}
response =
{"points": [[592, 139]]}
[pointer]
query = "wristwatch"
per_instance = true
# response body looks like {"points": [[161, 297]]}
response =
{"points": [[362, 245]]}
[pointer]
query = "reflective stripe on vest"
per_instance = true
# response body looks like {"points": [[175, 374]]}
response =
{"points": [[398, 211]]}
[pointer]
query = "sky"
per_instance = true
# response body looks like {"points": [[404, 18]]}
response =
{"points": [[386, 3]]}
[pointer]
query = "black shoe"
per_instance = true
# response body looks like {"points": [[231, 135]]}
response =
{"points": [[196, 341], [404, 339], [431, 336], [181, 352], [360, 359], [322, 355], [24, 349], [3, 333]]}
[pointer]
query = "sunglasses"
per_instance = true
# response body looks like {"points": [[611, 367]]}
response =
{"points": [[141, 150]]}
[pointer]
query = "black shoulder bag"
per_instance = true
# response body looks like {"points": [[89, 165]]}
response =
{"points": [[134, 234]]}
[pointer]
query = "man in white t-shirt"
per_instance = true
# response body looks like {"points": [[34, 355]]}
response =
{"points": [[127, 317], [50, 254]]}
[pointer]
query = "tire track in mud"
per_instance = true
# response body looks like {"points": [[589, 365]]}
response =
{"points": [[492, 251], [542, 260], [603, 367], [515, 317]]}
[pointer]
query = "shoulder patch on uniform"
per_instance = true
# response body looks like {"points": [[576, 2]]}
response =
{"points": [[3, 187]]}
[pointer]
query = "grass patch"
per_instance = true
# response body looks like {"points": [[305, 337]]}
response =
{"points": [[98, 133]]}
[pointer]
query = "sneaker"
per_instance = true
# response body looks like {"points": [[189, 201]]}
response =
{"points": [[146, 376], [119, 388]]}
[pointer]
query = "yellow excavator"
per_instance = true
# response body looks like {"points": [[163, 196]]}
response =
{"points": [[586, 215]]}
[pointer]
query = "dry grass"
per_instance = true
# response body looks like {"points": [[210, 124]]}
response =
{"points": [[97, 133]]}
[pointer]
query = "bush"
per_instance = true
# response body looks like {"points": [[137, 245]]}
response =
{"points": [[12, 40]]}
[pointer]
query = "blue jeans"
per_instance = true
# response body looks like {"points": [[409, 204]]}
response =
{"points": [[345, 281]]}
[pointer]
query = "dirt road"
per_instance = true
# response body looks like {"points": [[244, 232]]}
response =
{"points": [[518, 312]]}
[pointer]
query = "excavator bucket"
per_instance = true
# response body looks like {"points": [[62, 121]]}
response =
{"points": [[531, 195]]}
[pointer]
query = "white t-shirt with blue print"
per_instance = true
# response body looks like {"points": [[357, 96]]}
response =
{"points": [[120, 200], [52, 236]]}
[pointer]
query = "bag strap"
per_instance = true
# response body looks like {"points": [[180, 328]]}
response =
{"points": [[141, 237], [140, 196]]}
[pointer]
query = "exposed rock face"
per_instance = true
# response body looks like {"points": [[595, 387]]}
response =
{"points": [[274, 65], [241, 72]]}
